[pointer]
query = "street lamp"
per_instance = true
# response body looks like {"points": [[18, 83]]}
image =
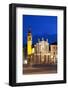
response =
{"points": [[25, 61]]}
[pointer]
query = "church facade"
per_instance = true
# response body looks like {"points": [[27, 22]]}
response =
{"points": [[42, 52]]}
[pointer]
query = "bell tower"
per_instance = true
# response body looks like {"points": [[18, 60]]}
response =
{"points": [[29, 42]]}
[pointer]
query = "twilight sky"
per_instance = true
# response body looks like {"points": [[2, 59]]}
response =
{"points": [[41, 26]]}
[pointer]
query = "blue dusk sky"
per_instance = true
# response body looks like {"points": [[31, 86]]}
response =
{"points": [[41, 26]]}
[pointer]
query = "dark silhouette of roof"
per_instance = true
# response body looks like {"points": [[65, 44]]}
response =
{"points": [[55, 43], [29, 31]]}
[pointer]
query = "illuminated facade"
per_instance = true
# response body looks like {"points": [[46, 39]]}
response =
{"points": [[53, 51], [42, 54], [42, 46]]}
